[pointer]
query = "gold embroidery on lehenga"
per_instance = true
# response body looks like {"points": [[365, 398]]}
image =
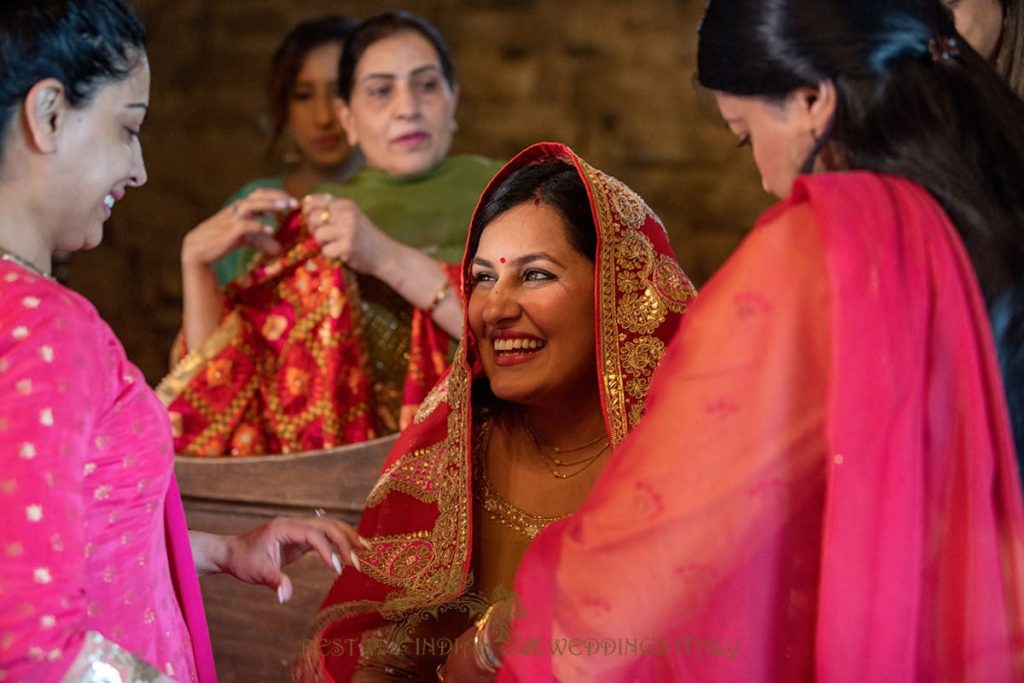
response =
{"points": [[503, 512]]}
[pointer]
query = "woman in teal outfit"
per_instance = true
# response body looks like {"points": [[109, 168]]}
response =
{"points": [[399, 223], [301, 92]]}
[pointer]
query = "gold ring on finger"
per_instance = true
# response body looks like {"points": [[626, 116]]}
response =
{"points": [[325, 216]]}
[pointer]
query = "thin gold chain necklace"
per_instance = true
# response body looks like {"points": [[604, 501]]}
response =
{"points": [[24, 263], [553, 463]]}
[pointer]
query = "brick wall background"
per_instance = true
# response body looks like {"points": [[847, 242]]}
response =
{"points": [[611, 79]]}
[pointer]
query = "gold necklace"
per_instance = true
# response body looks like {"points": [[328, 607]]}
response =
{"points": [[553, 463], [24, 263]]}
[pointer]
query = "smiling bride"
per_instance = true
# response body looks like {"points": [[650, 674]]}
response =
{"points": [[571, 292]]}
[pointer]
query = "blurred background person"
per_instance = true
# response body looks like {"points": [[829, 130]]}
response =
{"points": [[379, 246], [302, 97]]}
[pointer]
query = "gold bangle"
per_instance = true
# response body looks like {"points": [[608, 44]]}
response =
{"points": [[484, 654], [440, 295]]}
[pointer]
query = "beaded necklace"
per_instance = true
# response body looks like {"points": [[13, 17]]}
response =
{"points": [[24, 263]]}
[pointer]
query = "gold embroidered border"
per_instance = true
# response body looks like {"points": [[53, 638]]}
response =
{"points": [[171, 387], [440, 577], [636, 290]]}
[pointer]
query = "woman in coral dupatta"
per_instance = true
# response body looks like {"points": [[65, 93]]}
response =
{"points": [[824, 486], [571, 290]]}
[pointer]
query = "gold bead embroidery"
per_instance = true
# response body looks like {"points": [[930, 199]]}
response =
{"points": [[508, 515]]}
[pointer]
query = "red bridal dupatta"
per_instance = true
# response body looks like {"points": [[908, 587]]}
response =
{"points": [[287, 369], [824, 486], [419, 516]]}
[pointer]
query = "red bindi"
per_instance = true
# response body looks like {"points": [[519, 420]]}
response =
{"points": [[536, 201], [501, 260]]}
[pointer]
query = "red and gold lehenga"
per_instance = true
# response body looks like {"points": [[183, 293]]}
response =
{"points": [[288, 368], [426, 515]]}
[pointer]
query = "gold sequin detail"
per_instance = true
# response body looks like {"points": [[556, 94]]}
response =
{"points": [[435, 398], [508, 515]]}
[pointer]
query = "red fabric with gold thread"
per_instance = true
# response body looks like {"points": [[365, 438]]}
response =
{"points": [[286, 370], [419, 514]]}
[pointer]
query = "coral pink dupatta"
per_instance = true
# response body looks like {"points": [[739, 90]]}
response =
{"points": [[824, 485]]}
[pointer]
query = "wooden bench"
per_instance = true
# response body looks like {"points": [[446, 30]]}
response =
{"points": [[254, 638]]}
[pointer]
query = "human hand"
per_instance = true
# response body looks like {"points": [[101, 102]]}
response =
{"points": [[461, 665], [258, 556], [236, 224], [346, 233]]}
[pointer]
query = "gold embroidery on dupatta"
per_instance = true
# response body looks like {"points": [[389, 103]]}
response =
{"points": [[436, 397], [397, 560], [427, 566], [636, 291], [672, 284], [639, 358], [414, 474]]}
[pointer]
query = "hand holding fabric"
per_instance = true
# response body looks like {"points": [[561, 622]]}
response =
{"points": [[235, 225], [346, 233]]}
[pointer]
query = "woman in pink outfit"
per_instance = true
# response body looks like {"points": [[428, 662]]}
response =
{"points": [[98, 572], [824, 485]]}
